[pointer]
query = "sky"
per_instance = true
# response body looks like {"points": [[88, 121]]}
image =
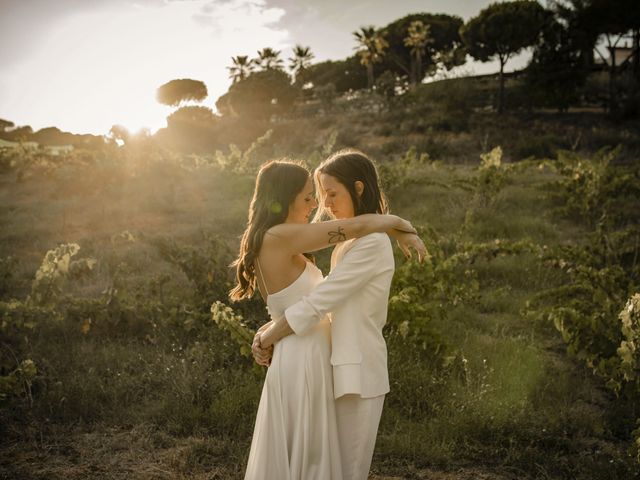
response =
{"points": [[85, 65]]}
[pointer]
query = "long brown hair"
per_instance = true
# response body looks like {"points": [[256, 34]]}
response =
{"points": [[349, 166], [277, 185]]}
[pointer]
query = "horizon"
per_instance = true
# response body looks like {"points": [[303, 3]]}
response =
{"points": [[103, 62]]}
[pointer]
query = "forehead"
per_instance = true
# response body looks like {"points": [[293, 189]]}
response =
{"points": [[330, 183], [308, 188]]}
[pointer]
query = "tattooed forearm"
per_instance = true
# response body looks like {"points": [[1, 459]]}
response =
{"points": [[337, 236]]}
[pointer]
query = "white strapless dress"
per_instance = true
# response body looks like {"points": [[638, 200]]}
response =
{"points": [[295, 435]]}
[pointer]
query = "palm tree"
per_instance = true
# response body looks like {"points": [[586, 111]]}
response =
{"points": [[300, 61], [418, 37], [370, 48], [268, 59], [240, 69]]}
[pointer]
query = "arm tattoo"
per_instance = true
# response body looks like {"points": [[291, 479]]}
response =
{"points": [[337, 236]]}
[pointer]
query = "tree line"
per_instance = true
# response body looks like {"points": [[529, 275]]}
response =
{"points": [[401, 55]]}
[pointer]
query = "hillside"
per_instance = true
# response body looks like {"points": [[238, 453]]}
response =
{"points": [[132, 376]]}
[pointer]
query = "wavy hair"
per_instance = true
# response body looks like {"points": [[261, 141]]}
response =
{"points": [[277, 185]]}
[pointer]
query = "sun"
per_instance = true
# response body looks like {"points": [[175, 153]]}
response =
{"points": [[115, 58]]}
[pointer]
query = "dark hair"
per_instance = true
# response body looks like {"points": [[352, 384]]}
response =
{"points": [[349, 166], [277, 185]]}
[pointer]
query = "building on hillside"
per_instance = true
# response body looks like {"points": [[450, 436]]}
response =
{"points": [[7, 145], [57, 150], [622, 55]]}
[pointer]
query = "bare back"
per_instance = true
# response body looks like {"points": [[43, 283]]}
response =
{"points": [[276, 266]]}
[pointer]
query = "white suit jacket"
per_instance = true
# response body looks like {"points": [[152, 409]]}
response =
{"points": [[356, 292]]}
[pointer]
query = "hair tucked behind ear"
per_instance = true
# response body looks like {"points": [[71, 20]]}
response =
{"points": [[277, 185], [348, 167]]}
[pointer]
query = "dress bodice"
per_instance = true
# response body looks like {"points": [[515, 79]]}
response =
{"points": [[278, 302]]}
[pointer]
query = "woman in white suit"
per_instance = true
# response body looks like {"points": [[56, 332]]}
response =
{"points": [[355, 294]]}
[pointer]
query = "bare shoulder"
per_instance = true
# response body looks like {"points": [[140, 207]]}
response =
{"points": [[280, 230]]}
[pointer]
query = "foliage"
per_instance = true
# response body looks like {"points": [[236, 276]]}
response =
{"points": [[371, 49], [55, 270], [556, 71], [232, 323], [175, 92], [629, 349], [241, 68], [326, 94], [18, 382], [596, 192], [417, 39], [502, 30], [206, 266], [268, 59], [386, 84], [260, 95], [344, 74], [193, 128], [602, 272], [4, 124], [300, 63], [492, 176], [248, 161], [440, 40]]}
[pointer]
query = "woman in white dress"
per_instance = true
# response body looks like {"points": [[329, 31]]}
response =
{"points": [[356, 295], [295, 435]]}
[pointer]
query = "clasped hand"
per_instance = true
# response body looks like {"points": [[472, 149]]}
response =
{"points": [[262, 356]]}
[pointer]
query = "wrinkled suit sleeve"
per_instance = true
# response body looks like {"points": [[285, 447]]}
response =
{"points": [[357, 267]]}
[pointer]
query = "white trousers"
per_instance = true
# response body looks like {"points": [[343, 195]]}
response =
{"points": [[358, 420]]}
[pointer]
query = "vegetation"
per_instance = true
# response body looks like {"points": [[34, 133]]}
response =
{"points": [[502, 30], [513, 353], [116, 327], [175, 92]]}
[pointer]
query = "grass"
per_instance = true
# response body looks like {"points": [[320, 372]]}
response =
{"points": [[155, 390]]}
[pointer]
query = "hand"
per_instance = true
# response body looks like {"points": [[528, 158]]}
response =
{"points": [[408, 241], [262, 356], [404, 226]]}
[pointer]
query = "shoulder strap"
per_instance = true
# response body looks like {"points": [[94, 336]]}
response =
{"points": [[261, 277]]}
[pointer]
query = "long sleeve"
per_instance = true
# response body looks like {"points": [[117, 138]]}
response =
{"points": [[357, 267]]}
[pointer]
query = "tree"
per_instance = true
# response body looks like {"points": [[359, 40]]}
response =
{"points": [[192, 116], [119, 134], [175, 92], [556, 70], [370, 49], [268, 59], [259, 96], [386, 84], [300, 62], [240, 69], [501, 31], [345, 75], [443, 51], [610, 21], [417, 39], [4, 124], [19, 134]]}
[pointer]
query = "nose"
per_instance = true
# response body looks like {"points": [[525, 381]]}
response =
{"points": [[327, 202]]}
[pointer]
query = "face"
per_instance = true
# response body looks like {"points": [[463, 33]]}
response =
{"points": [[336, 197], [304, 203]]}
